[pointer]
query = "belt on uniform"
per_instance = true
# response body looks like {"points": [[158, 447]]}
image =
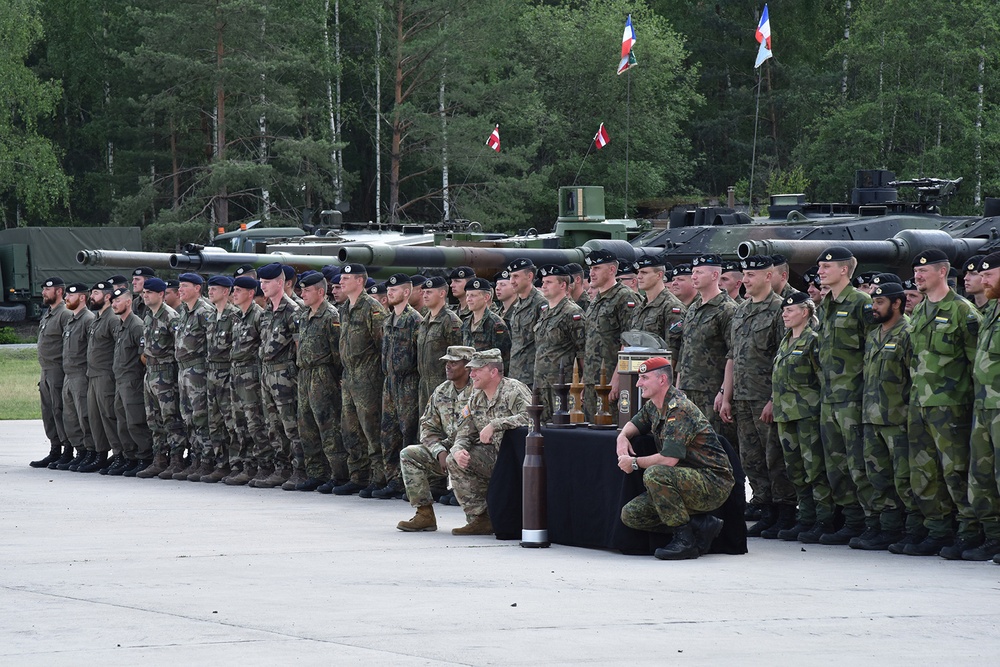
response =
{"points": [[310, 366], [155, 366], [189, 366], [242, 365], [271, 368], [220, 365]]}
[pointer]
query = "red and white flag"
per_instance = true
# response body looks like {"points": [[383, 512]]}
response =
{"points": [[601, 139], [494, 140]]}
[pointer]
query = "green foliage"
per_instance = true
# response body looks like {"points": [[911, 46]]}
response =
{"points": [[8, 336]]}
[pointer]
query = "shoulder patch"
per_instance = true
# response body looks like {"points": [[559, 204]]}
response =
{"points": [[577, 317], [675, 310]]}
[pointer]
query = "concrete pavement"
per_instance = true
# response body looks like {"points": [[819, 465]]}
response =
{"points": [[122, 571]]}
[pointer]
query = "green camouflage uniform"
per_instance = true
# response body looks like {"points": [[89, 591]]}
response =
{"points": [[559, 343], [506, 410], [700, 482], [246, 392], [50, 385], [361, 355], [318, 359], [607, 317], [221, 418], [843, 330], [939, 423], [129, 401], [438, 426], [101, 381], [192, 376], [399, 410], [795, 395], [160, 386], [76, 421], [523, 316], [884, 406], [279, 329], [434, 336], [490, 332], [659, 316], [583, 301], [757, 331], [984, 475]]}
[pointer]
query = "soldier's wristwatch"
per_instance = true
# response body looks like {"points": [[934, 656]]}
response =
{"points": [[635, 463]]}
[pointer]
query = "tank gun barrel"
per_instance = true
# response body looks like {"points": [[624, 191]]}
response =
{"points": [[124, 259]]}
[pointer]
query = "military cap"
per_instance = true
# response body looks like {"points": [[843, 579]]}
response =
{"points": [[864, 278], [626, 269], [972, 264], [245, 268], [55, 281], [117, 279], [598, 257], [192, 278], [795, 299], [668, 271], [76, 288], [288, 272], [649, 262], [172, 284], [220, 281], [707, 260], [478, 285], [835, 254], [756, 262], [353, 269], [888, 289], [311, 278], [519, 264], [909, 285], [154, 285], [121, 291], [811, 279], [377, 288], [991, 261], [144, 271], [480, 359], [334, 280], [574, 269], [246, 282], [682, 270], [459, 353], [418, 280], [270, 271], [778, 260], [503, 275], [883, 278], [103, 287], [435, 282], [397, 279], [931, 256], [462, 273], [553, 270], [653, 364], [728, 267], [369, 282]]}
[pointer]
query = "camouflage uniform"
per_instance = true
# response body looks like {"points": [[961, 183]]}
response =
{"points": [[278, 332], [659, 316], [559, 343], [984, 474], [129, 400], [608, 316], [583, 301], [50, 385], [318, 359], [246, 392], [884, 407], [101, 381], [506, 410], [434, 336], [161, 381], [757, 331], [221, 419], [399, 410], [74, 395], [523, 316], [795, 395], [438, 426], [192, 377], [360, 353], [700, 482], [943, 336], [701, 368], [490, 332], [843, 330]]}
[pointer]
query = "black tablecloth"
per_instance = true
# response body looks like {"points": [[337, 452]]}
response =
{"points": [[586, 491]]}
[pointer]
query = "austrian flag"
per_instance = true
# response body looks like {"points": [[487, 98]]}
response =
{"points": [[494, 140], [601, 139]]}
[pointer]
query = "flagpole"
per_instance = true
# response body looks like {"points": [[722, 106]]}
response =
{"points": [[589, 148], [628, 104], [753, 157], [468, 173]]}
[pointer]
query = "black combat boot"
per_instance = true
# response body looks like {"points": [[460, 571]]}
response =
{"points": [[55, 451], [812, 535], [879, 542], [792, 534], [97, 461], [684, 546], [81, 454], [786, 519], [955, 550], [986, 551], [706, 528], [66, 457], [393, 489], [930, 546], [840, 537], [768, 517], [870, 532], [111, 463]]}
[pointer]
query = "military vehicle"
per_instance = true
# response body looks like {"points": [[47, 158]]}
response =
{"points": [[30, 255]]}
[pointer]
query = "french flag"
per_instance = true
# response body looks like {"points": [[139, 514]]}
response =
{"points": [[628, 41], [764, 38]]}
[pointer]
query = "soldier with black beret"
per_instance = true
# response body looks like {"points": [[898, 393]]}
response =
{"points": [[523, 316], [441, 329], [578, 286], [731, 280], [681, 285], [379, 291], [76, 419], [220, 323], [609, 314], [129, 401], [973, 283], [626, 276], [50, 385], [139, 275], [484, 329], [101, 375], [559, 343], [457, 279]]}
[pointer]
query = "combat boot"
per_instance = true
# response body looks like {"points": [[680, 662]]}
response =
{"points": [[66, 457], [812, 535], [298, 476], [706, 528], [792, 534], [840, 537], [55, 451], [241, 474], [753, 512], [986, 551], [870, 532], [393, 489], [97, 462], [929, 546], [312, 484], [898, 546], [118, 467], [75, 461], [369, 491], [158, 465], [347, 489], [768, 517], [682, 547], [423, 520], [204, 469], [786, 519], [110, 463], [477, 525], [88, 457], [278, 477], [185, 468], [176, 463], [879, 542], [219, 473], [263, 472], [955, 550]]}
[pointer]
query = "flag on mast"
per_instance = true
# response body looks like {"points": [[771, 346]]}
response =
{"points": [[494, 140], [764, 37], [601, 139], [628, 41]]}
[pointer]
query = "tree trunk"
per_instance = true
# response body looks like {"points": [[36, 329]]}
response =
{"points": [[847, 35], [395, 150], [378, 121], [445, 202], [222, 198]]}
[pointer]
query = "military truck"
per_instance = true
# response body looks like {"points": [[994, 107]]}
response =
{"points": [[30, 255]]}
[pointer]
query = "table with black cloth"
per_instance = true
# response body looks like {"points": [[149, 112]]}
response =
{"points": [[587, 490]]}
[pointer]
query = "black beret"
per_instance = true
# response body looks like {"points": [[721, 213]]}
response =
{"points": [[288, 271], [972, 264], [795, 299], [418, 280], [598, 257], [864, 278], [56, 281], [154, 285], [478, 284], [121, 291], [246, 282], [883, 278], [503, 275], [397, 279], [909, 285], [931, 256], [369, 282], [706, 260], [553, 270], [354, 269], [519, 264], [462, 273], [738, 266], [144, 271], [888, 289], [574, 269], [991, 261], [77, 288], [103, 287], [220, 281], [245, 268], [311, 278], [192, 278], [377, 288], [835, 254], [682, 270], [435, 282], [334, 279], [649, 262], [117, 279], [778, 260], [270, 271], [172, 284], [756, 262], [626, 269]]}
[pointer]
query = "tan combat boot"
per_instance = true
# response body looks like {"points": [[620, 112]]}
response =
{"points": [[220, 473], [158, 465], [263, 472], [203, 470], [298, 476], [276, 478], [478, 525], [185, 469], [423, 520], [240, 475]]}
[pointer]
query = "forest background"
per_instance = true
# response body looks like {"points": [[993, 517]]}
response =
{"points": [[188, 115]]}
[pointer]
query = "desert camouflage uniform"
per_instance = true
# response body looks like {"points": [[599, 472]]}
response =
{"points": [[984, 474], [246, 391], [757, 330], [506, 410], [795, 392], [939, 423], [559, 344], [490, 332], [74, 397], [434, 336], [884, 407], [608, 316], [438, 426], [659, 316], [842, 334], [161, 381], [279, 330], [192, 376], [700, 482], [360, 353], [523, 316], [221, 419], [50, 385], [101, 381], [129, 403], [318, 359], [399, 410]]}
